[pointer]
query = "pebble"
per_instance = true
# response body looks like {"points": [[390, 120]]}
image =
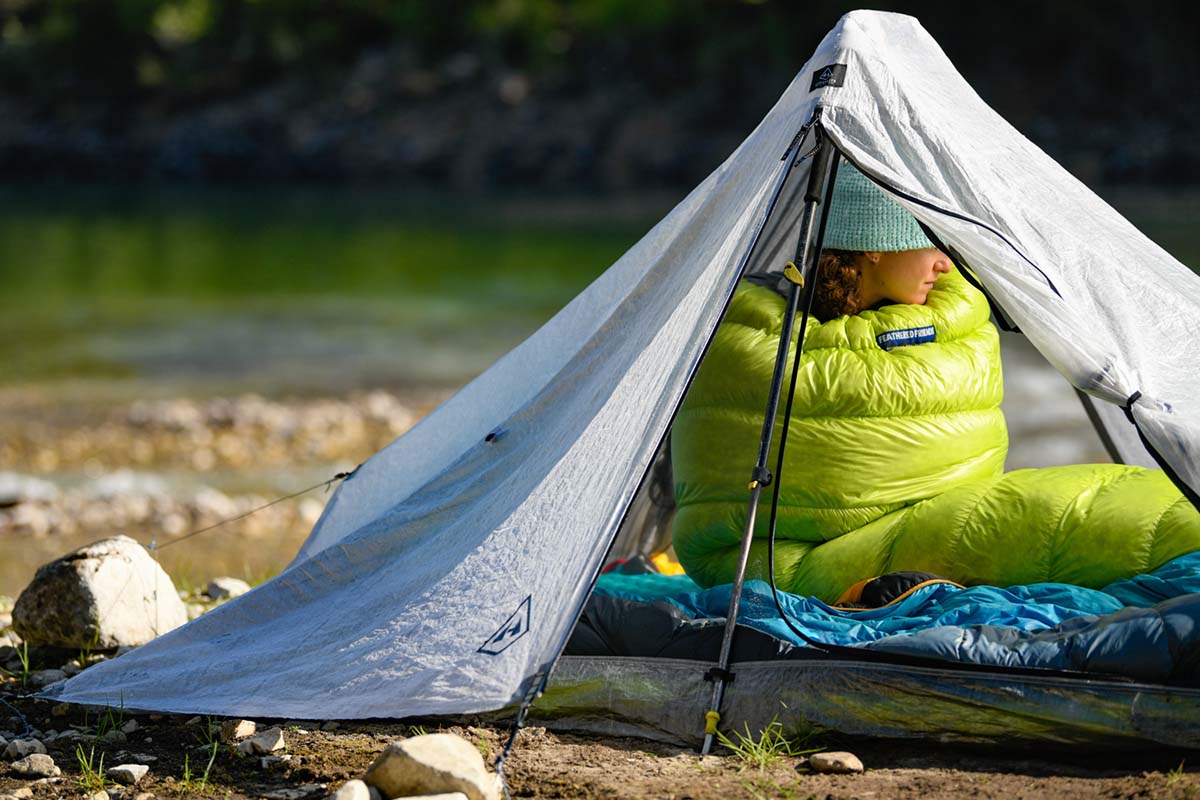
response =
{"points": [[839, 762], [297, 793], [144, 796], [352, 790], [20, 748], [38, 765], [130, 727], [267, 762], [45, 677], [233, 730], [263, 743], [226, 587], [100, 795], [128, 774]]}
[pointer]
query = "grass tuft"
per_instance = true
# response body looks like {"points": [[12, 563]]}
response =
{"points": [[91, 770], [772, 743]]}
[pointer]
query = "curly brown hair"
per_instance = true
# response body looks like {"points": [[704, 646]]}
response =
{"points": [[838, 292]]}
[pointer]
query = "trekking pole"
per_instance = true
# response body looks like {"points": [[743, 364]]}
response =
{"points": [[824, 161]]}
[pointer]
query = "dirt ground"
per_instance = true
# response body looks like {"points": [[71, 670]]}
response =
{"points": [[545, 764]]}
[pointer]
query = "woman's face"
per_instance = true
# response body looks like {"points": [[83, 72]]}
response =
{"points": [[901, 277]]}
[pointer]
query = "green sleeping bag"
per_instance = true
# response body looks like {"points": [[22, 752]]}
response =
{"points": [[895, 461]]}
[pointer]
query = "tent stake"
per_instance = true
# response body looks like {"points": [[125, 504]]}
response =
{"points": [[822, 165]]}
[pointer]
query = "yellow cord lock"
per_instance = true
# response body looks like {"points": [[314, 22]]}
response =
{"points": [[753, 485], [793, 274], [711, 718]]}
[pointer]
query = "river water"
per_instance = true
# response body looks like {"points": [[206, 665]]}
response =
{"points": [[114, 297]]}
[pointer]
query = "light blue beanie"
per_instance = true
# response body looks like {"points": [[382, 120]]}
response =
{"points": [[863, 218]]}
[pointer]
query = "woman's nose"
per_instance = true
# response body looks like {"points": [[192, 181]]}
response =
{"points": [[942, 264]]}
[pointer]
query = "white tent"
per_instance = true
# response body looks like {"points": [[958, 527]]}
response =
{"points": [[446, 574]]}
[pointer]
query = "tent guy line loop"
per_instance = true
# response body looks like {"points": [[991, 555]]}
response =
{"points": [[341, 476]]}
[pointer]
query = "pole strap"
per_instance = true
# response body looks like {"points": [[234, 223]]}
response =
{"points": [[716, 673], [761, 476]]}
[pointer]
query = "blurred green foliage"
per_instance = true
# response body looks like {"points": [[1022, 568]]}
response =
{"points": [[1086, 50]]}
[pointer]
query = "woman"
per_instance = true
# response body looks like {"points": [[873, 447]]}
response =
{"points": [[896, 444]]}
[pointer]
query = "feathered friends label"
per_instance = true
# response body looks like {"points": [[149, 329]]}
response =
{"points": [[893, 339]]}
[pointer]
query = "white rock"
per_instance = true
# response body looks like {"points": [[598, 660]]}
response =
{"points": [[836, 762], [439, 796], [22, 793], [99, 795], [433, 763], [19, 748], [104, 595], [233, 730], [16, 488], [263, 743], [144, 796], [128, 774], [221, 588], [130, 727], [38, 765], [352, 790]]}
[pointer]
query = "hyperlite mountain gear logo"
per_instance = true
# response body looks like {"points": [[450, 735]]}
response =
{"points": [[833, 75], [893, 339], [516, 626]]}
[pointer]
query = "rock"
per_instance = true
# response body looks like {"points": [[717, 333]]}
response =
{"points": [[263, 743], [105, 595], [194, 721], [376, 794], [836, 762], [19, 748], [130, 727], [100, 795], [45, 677], [233, 730], [22, 793], [352, 790], [330, 726], [269, 762], [116, 792], [222, 588], [16, 489], [143, 796], [429, 764], [38, 765], [128, 774]]}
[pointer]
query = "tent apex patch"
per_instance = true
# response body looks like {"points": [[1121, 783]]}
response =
{"points": [[832, 75], [513, 628]]}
